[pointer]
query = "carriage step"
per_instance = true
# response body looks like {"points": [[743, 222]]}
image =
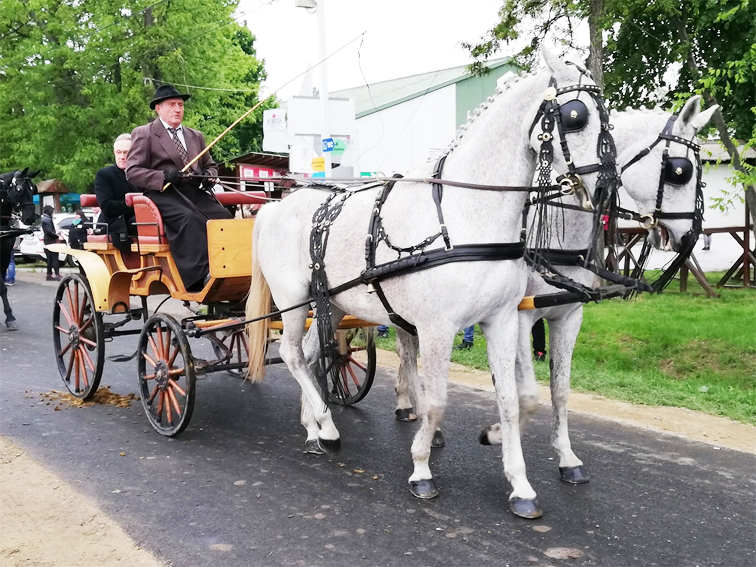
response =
{"points": [[123, 357]]}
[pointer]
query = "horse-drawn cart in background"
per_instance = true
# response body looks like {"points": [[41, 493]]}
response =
{"points": [[96, 305]]}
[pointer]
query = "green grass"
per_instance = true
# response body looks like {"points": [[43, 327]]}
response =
{"points": [[673, 349]]}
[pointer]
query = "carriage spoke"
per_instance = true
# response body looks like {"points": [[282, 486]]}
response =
{"points": [[161, 353], [154, 393], [75, 306], [354, 377], [86, 325], [167, 343], [149, 377], [83, 309], [84, 375], [356, 363], [174, 355], [77, 367], [174, 401], [177, 387], [161, 398], [65, 350], [176, 371], [344, 379], [155, 350], [87, 357], [65, 313], [61, 329], [167, 405], [71, 306], [148, 358], [88, 342], [70, 365]]}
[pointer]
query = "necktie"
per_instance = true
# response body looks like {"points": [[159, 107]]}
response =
{"points": [[179, 146]]}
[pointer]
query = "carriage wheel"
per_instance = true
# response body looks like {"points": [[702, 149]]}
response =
{"points": [[355, 364], [167, 379], [78, 337], [236, 344]]}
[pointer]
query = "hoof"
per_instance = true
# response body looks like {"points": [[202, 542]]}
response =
{"points": [[11, 325], [483, 437], [524, 508], [312, 447], [573, 475], [424, 488], [330, 446], [405, 415], [438, 440]]}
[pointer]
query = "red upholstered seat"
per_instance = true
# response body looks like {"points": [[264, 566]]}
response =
{"points": [[88, 200], [102, 238], [148, 220]]}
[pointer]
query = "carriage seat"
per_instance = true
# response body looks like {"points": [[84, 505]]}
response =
{"points": [[96, 241], [241, 198], [151, 235]]}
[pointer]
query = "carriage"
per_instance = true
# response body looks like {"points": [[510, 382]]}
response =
{"points": [[111, 291]]}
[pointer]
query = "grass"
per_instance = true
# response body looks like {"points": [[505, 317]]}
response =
{"points": [[673, 349]]}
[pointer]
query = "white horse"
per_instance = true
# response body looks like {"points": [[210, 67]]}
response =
{"points": [[634, 131], [497, 149]]}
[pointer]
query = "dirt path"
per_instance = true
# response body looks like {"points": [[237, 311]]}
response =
{"points": [[40, 515]]}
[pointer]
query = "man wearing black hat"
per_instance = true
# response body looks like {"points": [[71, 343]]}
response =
{"points": [[159, 151]]}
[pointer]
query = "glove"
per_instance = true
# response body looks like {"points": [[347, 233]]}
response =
{"points": [[173, 176], [207, 182]]}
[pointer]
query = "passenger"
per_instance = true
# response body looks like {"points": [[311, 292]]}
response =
{"points": [[159, 151], [111, 187], [80, 229]]}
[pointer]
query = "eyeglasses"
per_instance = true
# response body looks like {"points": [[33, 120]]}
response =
{"points": [[121, 152]]}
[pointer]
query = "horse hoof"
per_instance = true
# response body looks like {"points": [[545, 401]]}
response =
{"points": [[573, 475], [438, 440], [11, 325], [525, 508], [483, 437], [312, 447], [424, 488], [330, 446], [405, 415]]}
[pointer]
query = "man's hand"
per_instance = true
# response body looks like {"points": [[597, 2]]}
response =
{"points": [[208, 182], [173, 176]]}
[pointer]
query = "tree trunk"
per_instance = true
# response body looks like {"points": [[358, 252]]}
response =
{"points": [[596, 50]]}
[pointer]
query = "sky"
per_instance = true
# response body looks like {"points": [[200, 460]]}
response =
{"points": [[402, 38]]}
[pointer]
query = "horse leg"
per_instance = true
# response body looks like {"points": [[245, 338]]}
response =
{"points": [[501, 333], [527, 387], [563, 332], [10, 320], [430, 390], [406, 347], [315, 415]]}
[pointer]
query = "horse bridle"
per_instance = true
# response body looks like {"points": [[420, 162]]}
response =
{"points": [[675, 171], [15, 190]]}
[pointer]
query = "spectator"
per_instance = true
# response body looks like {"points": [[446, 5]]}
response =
{"points": [[77, 234], [50, 237]]}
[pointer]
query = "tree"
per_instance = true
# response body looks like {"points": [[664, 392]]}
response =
{"points": [[76, 73], [711, 42]]}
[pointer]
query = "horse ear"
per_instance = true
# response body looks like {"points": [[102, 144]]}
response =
{"points": [[23, 173], [558, 68], [691, 116]]}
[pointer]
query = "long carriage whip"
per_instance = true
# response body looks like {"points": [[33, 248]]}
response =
{"points": [[255, 107]]}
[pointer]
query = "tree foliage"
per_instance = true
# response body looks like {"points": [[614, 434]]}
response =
{"points": [[76, 73], [710, 43]]}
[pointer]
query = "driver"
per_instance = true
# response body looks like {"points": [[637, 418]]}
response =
{"points": [[159, 151]]}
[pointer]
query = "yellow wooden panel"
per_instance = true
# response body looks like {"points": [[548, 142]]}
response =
{"points": [[96, 270], [229, 246]]}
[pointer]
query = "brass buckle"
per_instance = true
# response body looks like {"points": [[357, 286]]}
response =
{"points": [[648, 221]]}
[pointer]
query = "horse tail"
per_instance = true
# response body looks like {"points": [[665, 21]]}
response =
{"points": [[258, 304]]}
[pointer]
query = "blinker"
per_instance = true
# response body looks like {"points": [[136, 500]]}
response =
{"points": [[678, 171], [574, 115]]}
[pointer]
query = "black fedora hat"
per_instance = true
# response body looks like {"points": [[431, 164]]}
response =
{"points": [[164, 92]]}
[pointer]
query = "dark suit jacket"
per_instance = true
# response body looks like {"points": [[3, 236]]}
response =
{"points": [[111, 187], [153, 152]]}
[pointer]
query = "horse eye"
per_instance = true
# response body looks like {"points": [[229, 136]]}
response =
{"points": [[574, 115], [678, 171]]}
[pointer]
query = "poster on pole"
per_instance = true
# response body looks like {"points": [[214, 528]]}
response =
{"points": [[274, 130]]}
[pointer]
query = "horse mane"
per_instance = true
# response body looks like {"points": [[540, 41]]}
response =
{"points": [[509, 80]]}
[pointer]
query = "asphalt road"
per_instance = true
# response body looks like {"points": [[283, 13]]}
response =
{"points": [[236, 489]]}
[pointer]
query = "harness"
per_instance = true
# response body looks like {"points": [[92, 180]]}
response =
{"points": [[674, 171]]}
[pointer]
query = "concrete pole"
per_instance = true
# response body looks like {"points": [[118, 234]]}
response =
{"points": [[325, 126]]}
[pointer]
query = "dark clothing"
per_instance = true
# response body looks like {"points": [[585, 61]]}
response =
{"points": [[152, 153], [539, 337], [111, 187], [53, 263], [49, 233], [77, 235]]}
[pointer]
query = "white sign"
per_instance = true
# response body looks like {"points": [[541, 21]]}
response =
{"points": [[300, 159], [274, 130], [304, 117]]}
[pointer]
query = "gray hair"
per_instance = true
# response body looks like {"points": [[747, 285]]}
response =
{"points": [[122, 137]]}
